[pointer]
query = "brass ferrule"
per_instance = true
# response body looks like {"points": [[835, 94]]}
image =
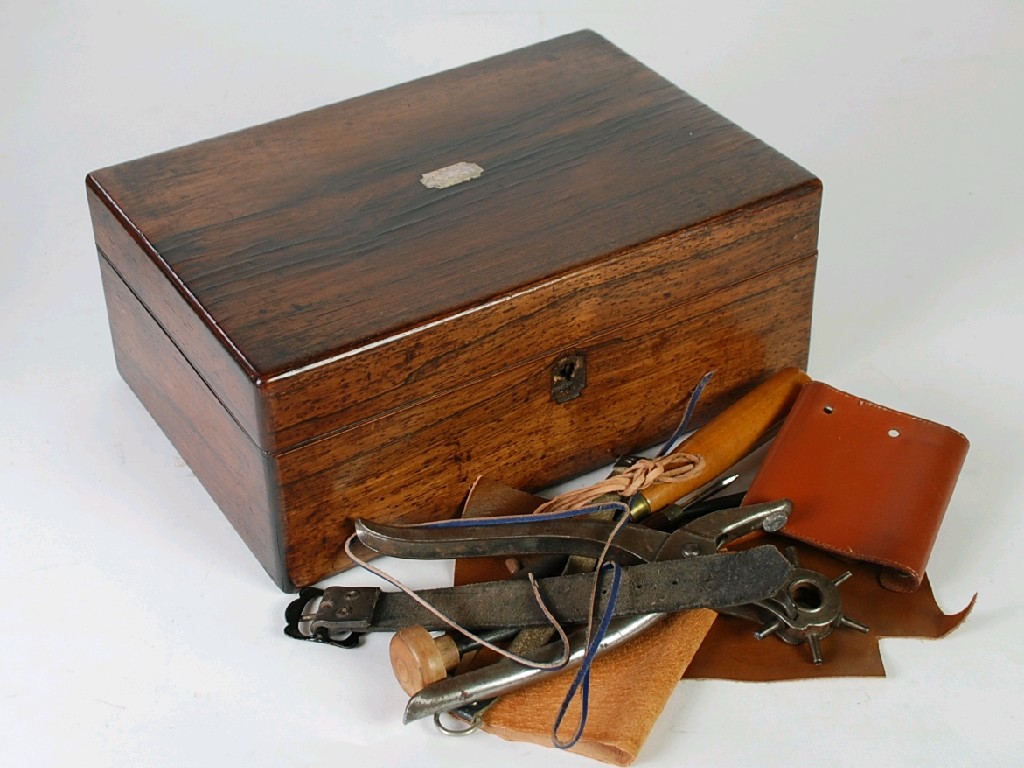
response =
{"points": [[639, 507]]}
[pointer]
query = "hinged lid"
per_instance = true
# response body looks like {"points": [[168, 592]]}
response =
{"points": [[316, 277]]}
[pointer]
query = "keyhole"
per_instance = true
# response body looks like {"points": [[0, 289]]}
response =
{"points": [[568, 377], [567, 371]]}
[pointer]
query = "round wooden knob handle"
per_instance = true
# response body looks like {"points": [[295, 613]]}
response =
{"points": [[419, 659]]}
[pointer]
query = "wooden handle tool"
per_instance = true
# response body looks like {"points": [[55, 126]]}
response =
{"points": [[419, 659], [727, 438]]}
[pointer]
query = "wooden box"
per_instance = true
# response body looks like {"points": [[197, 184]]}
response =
{"points": [[323, 334]]}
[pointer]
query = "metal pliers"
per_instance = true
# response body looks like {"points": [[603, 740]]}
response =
{"points": [[632, 544]]}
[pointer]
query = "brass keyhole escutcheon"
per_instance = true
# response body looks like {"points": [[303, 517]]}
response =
{"points": [[568, 377]]}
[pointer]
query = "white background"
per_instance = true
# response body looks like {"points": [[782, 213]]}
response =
{"points": [[136, 629]]}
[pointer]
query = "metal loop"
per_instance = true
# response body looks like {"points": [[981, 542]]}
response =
{"points": [[472, 727]]}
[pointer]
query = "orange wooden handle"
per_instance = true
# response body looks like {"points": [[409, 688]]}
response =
{"points": [[732, 434]]}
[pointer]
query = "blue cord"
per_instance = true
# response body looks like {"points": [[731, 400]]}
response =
{"points": [[690, 407], [581, 682]]}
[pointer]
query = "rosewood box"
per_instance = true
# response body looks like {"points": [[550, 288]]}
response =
{"points": [[326, 328]]}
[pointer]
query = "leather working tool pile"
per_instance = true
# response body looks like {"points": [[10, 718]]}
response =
{"points": [[557, 605]]}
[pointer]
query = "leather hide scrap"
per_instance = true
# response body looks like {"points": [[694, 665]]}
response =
{"points": [[731, 652]]}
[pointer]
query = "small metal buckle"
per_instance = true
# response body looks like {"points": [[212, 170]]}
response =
{"points": [[296, 614]]}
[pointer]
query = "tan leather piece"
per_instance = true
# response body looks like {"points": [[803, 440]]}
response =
{"points": [[866, 482], [629, 687], [491, 498], [731, 652]]}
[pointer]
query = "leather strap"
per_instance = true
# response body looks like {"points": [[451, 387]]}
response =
{"points": [[714, 581]]}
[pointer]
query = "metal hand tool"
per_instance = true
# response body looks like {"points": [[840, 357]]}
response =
{"points": [[632, 544], [486, 683], [726, 439], [807, 611]]}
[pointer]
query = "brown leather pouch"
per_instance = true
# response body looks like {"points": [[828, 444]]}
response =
{"points": [[866, 482]]}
